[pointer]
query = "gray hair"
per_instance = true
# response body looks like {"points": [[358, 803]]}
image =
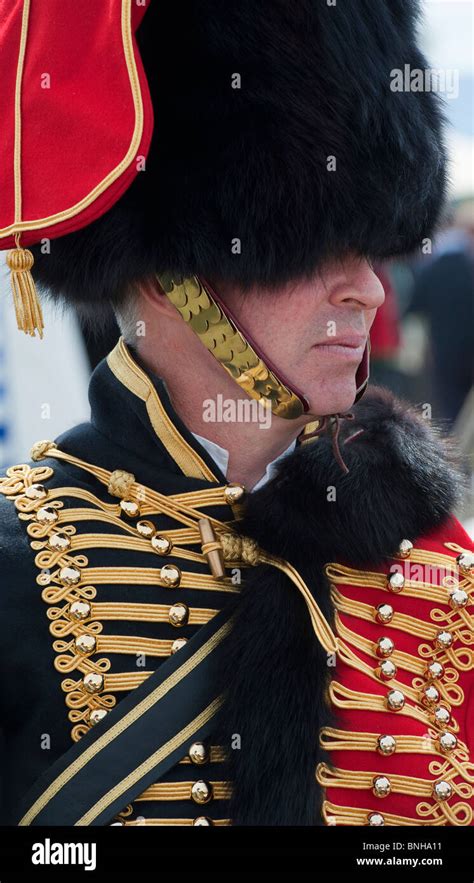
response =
{"points": [[126, 316]]}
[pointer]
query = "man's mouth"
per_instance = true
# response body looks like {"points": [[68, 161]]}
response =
{"points": [[349, 346]]}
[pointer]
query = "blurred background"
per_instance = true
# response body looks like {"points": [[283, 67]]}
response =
{"points": [[422, 339]]}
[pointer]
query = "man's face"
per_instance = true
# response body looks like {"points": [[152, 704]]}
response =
{"points": [[314, 331]]}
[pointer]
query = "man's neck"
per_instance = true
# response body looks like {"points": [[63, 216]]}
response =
{"points": [[211, 405]]}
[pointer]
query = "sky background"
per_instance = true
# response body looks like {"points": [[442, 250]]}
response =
{"points": [[447, 36]]}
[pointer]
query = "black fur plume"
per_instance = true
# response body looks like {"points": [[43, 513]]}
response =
{"points": [[254, 103]]}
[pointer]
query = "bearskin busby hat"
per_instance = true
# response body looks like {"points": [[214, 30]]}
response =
{"points": [[277, 143]]}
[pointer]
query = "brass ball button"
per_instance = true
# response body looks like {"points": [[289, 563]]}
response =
{"points": [[202, 821], [93, 682], [170, 576], [384, 613], [447, 742], [434, 671], [59, 542], [36, 492], [178, 644], [384, 647], [146, 529], [405, 549], [386, 670], [198, 753], [69, 576], [465, 562], [130, 508], [395, 700], [162, 545], [233, 493], [47, 515], [85, 643], [201, 792], [441, 716], [442, 790], [375, 820], [381, 786], [96, 715], [386, 745], [79, 610], [430, 695], [443, 639], [395, 582], [458, 599], [178, 614]]}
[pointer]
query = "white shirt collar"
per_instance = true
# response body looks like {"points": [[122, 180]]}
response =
{"points": [[221, 458]]}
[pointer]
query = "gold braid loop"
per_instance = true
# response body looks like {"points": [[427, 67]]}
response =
{"points": [[120, 483], [238, 548], [40, 449]]}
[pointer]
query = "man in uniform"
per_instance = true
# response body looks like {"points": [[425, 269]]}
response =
{"points": [[236, 596]]}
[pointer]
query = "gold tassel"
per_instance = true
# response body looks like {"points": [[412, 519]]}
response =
{"points": [[28, 311]]}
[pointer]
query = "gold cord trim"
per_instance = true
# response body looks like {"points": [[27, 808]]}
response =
{"points": [[217, 754], [115, 611], [350, 816], [182, 791], [340, 574], [134, 379], [343, 697]]}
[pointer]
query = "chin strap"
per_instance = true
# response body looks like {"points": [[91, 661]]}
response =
{"points": [[222, 335]]}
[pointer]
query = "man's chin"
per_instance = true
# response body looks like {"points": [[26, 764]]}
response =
{"points": [[335, 400]]}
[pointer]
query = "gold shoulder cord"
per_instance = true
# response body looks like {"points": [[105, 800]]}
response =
{"points": [[223, 340]]}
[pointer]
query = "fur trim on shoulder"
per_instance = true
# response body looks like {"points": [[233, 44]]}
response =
{"points": [[403, 482]]}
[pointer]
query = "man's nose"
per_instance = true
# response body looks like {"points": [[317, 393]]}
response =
{"points": [[358, 284]]}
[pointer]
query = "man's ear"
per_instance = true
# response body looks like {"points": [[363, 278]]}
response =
{"points": [[151, 291]]}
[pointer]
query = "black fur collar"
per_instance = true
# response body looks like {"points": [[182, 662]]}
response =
{"points": [[402, 483]]}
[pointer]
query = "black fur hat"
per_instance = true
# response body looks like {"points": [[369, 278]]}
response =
{"points": [[278, 143]]}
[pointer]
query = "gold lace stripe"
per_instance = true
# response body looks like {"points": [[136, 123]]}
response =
{"points": [[217, 754], [147, 612], [168, 822], [347, 655], [134, 379], [150, 576], [400, 621], [182, 791], [137, 544], [399, 657], [133, 644], [362, 780], [353, 816], [181, 535], [339, 574], [125, 680], [345, 740], [343, 697]]}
